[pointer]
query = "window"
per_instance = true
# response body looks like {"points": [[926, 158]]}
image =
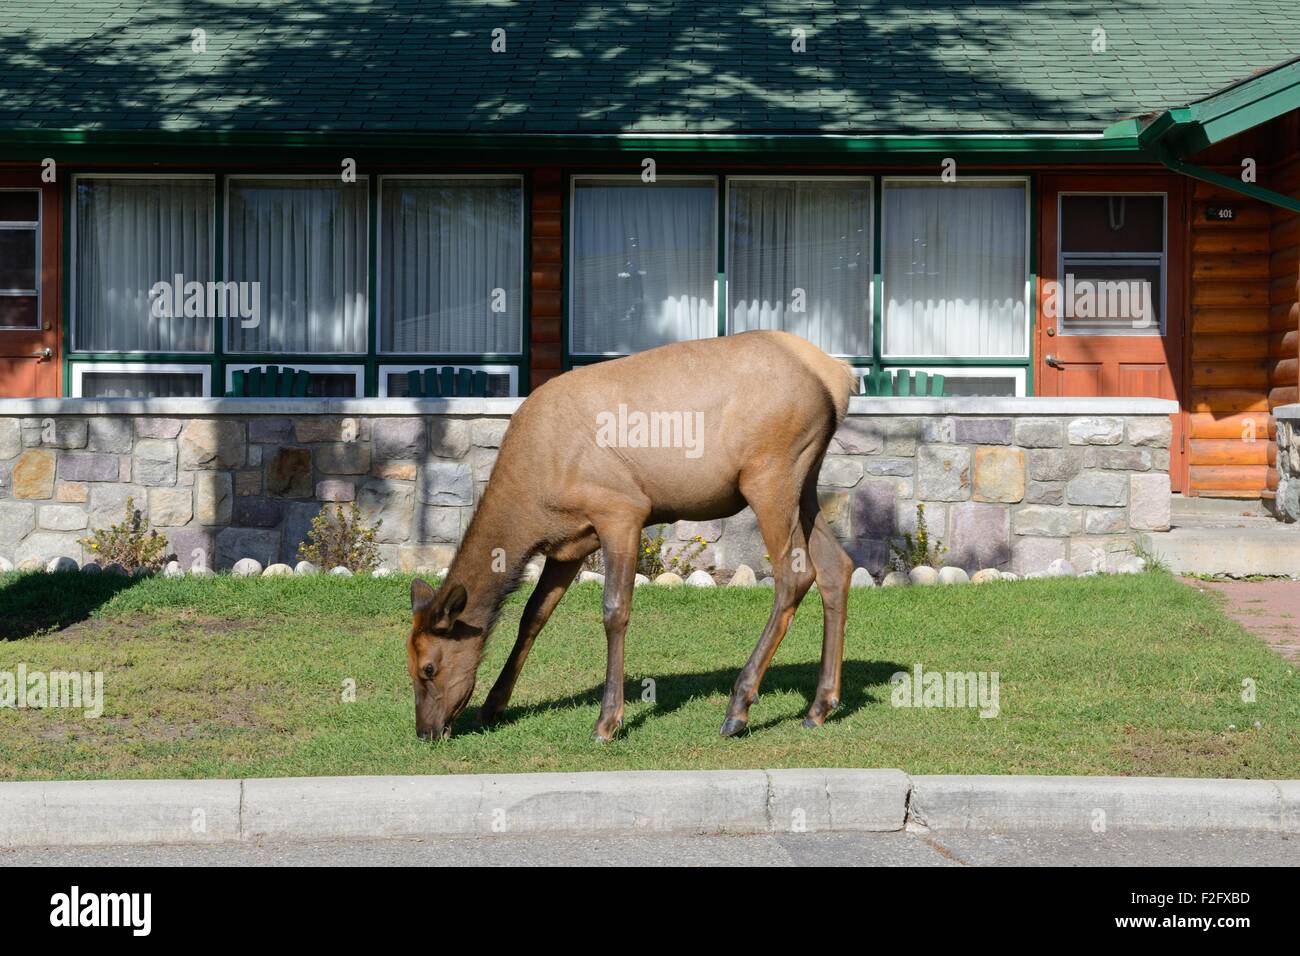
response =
{"points": [[502, 380], [129, 234], [1112, 266], [799, 258], [305, 242], [138, 380], [327, 381], [20, 259], [964, 381], [955, 262], [451, 266], [643, 263]]}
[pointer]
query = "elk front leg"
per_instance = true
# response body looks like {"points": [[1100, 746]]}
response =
{"points": [[551, 586], [620, 547]]}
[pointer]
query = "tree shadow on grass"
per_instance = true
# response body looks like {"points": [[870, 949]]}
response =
{"points": [[38, 603], [675, 691]]}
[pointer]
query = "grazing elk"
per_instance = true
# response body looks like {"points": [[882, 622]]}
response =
{"points": [[572, 475]]}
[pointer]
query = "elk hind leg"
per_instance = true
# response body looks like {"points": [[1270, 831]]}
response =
{"points": [[779, 521], [834, 569]]}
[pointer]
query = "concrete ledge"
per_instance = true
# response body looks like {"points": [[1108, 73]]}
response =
{"points": [[1078, 803], [200, 407], [858, 405], [101, 812], [1269, 549], [973, 405]]}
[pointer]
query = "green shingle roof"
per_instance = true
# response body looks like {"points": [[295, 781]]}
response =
{"points": [[652, 66]]}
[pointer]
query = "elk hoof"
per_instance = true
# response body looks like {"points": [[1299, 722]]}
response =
{"points": [[489, 716], [732, 726]]}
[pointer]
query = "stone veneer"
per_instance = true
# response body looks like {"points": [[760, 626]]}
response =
{"points": [[1007, 483], [1286, 503]]}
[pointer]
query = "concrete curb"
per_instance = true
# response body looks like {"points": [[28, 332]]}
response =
{"points": [[101, 812], [1068, 803]]}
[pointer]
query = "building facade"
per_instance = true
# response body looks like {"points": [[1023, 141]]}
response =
{"points": [[521, 189]]}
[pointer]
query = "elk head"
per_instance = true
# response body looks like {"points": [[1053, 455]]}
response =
{"points": [[442, 657]]}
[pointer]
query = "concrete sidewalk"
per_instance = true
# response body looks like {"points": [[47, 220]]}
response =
{"points": [[183, 812]]}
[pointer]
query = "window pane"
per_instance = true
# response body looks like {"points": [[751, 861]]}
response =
{"points": [[987, 385], [19, 205], [17, 260], [799, 259], [305, 243], [131, 234], [18, 312], [447, 246], [644, 262], [141, 385], [1111, 298], [954, 269], [332, 385], [1112, 223], [498, 385]]}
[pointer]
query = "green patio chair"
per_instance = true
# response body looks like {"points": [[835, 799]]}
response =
{"points": [[270, 381], [446, 382], [902, 383]]}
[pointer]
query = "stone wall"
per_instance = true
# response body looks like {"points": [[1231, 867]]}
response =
{"points": [[1286, 503], [1007, 483]]}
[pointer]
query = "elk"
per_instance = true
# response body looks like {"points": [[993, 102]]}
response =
{"points": [[767, 403]]}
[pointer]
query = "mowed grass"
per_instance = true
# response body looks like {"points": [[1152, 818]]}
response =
{"points": [[232, 677]]}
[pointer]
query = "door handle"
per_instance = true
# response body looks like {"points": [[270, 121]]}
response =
{"points": [[1053, 361], [44, 355]]}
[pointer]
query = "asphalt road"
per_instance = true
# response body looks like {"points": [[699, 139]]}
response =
{"points": [[1040, 848]]}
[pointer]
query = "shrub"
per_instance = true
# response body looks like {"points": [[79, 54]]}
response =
{"points": [[656, 556], [130, 543], [908, 552], [341, 540]]}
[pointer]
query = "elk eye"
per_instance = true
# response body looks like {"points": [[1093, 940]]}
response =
{"points": [[428, 672]]}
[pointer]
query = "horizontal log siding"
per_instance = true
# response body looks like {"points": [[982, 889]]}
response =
{"points": [[1230, 365], [546, 343]]}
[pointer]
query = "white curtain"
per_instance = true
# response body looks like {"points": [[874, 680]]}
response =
{"points": [[954, 269], [131, 234], [446, 246], [644, 264], [305, 241], [808, 235]]}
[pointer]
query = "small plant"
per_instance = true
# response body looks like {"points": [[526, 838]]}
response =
{"points": [[1152, 562], [341, 540], [655, 555], [130, 543], [910, 552]]}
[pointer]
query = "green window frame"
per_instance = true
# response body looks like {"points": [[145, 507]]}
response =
{"points": [[1016, 369], [217, 363]]}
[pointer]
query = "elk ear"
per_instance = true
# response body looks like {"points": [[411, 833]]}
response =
{"points": [[454, 603], [421, 597]]}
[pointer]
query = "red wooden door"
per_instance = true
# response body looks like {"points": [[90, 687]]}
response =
{"points": [[1111, 291], [29, 286]]}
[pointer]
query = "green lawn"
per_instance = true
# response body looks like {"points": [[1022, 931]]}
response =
{"points": [[231, 677]]}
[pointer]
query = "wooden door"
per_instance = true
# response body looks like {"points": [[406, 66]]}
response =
{"points": [[29, 286], [1111, 291]]}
